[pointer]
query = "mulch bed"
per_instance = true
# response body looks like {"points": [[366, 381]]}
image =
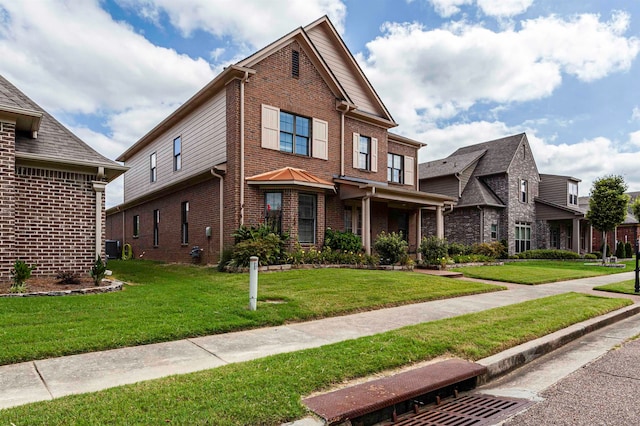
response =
{"points": [[35, 284]]}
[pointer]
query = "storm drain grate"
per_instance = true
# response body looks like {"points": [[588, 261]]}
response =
{"points": [[468, 410]]}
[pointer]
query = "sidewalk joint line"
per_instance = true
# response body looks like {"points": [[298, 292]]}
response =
{"points": [[207, 351], [35, 367]]}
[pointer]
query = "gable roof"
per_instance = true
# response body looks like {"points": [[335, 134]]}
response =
{"points": [[476, 193], [499, 154], [53, 143], [451, 165]]}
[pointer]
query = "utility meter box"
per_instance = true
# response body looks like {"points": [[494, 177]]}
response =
{"points": [[207, 231]]}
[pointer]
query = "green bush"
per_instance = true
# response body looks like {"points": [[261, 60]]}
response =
{"points": [[268, 248], [549, 254], [342, 241], [471, 258], [390, 247], [245, 233], [608, 252], [19, 274], [590, 256], [433, 250], [628, 250], [620, 250], [494, 249], [225, 258], [98, 270], [597, 254], [456, 249], [67, 277]]}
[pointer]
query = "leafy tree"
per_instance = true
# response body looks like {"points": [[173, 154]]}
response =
{"points": [[607, 204], [635, 208]]}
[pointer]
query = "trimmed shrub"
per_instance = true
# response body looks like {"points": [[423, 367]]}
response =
{"points": [[433, 250], [493, 249], [98, 271], [620, 250], [590, 256], [342, 241], [471, 258], [456, 249], [549, 254], [269, 249], [19, 274], [628, 250], [390, 247], [597, 254], [608, 250]]}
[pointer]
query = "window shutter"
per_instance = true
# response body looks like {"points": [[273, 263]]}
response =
{"points": [[320, 139], [374, 154], [270, 127], [409, 171], [356, 149]]}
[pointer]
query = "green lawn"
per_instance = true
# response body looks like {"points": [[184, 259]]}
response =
{"points": [[268, 391], [541, 271], [168, 302], [626, 287]]}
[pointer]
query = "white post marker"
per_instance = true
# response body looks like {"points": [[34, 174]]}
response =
{"points": [[253, 283]]}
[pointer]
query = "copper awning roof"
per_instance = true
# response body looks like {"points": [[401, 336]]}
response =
{"points": [[290, 176]]}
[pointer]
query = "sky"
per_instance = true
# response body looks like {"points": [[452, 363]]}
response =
{"points": [[451, 72]]}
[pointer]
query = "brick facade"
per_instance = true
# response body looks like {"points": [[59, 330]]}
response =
{"points": [[7, 201]]}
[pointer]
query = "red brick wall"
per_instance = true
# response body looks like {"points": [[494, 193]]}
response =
{"points": [[7, 201], [204, 205], [55, 220]]}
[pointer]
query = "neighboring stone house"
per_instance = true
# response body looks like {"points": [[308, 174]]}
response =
{"points": [[293, 136], [502, 197], [627, 231], [52, 185]]}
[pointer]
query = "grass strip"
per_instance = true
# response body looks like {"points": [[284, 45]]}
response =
{"points": [[169, 302], [268, 391], [540, 271], [624, 287]]}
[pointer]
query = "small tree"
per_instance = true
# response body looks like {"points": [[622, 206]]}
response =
{"points": [[607, 204], [98, 271], [635, 208]]}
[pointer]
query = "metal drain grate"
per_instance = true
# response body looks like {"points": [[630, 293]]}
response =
{"points": [[468, 410]]}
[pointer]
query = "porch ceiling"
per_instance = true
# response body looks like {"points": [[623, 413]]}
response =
{"points": [[399, 196]]}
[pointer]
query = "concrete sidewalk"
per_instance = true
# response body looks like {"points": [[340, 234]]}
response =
{"points": [[52, 378]]}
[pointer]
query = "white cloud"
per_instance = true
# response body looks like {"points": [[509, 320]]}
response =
{"points": [[450, 69], [75, 58], [504, 8], [249, 21], [635, 114], [634, 138], [446, 8]]}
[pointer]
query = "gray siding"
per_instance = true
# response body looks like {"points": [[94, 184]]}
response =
{"points": [[344, 71], [554, 189], [447, 185], [203, 134]]}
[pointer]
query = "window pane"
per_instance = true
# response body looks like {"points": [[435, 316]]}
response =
{"points": [[397, 162], [306, 218], [177, 146], [302, 145], [302, 126], [364, 144], [286, 142], [286, 122], [389, 160]]}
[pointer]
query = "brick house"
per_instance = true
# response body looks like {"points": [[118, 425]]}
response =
{"points": [[295, 136], [52, 187], [627, 231], [501, 196]]}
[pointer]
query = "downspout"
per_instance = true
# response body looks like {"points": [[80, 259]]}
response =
{"points": [[221, 211], [342, 113], [366, 218], [242, 82]]}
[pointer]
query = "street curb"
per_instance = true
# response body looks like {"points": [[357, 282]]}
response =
{"points": [[510, 359]]}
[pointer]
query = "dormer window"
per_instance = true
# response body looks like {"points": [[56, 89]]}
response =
{"points": [[573, 193]]}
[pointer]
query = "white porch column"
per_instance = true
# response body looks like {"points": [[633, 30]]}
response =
{"points": [[439, 223], [418, 233], [98, 187], [366, 224], [576, 235]]}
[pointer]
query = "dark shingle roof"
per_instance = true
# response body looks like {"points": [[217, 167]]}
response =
{"points": [[499, 154], [54, 141], [477, 193], [448, 166]]}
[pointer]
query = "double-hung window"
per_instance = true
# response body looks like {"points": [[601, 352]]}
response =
{"points": [[177, 154], [307, 218], [364, 153], [184, 214], [395, 168], [524, 189], [295, 134], [523, 237], [156, 227], [153, 167], [494, 231], [273, 211], [136, 226], [573, 193]]}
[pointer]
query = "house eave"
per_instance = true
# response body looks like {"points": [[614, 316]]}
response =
{"points": [[110, 170], [290, 183], [27, 120]]}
